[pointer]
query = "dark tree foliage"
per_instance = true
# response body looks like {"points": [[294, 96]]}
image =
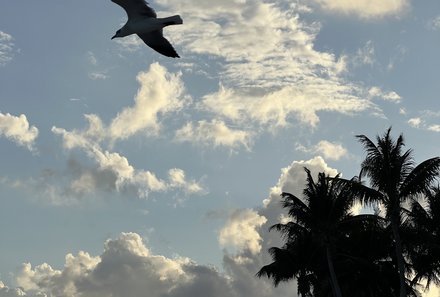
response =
{"points": [[331, 252]]}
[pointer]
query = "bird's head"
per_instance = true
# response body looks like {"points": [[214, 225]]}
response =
{"points": [[118, 34]]}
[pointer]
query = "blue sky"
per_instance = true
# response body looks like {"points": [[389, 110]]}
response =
{"points": [[119, 163]]}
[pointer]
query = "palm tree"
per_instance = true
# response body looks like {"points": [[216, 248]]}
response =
{"points": [[425, 223], [312, 237], [394, 180]]}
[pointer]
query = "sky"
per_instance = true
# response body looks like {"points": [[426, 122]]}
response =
{"points": [[125, 172]]}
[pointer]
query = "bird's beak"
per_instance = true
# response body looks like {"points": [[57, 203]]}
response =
{"points": [[114, 37]]}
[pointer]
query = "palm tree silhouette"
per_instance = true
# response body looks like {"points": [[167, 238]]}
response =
{"points": [[311, 238], [394, 180], [425, 251], [331, 252]]}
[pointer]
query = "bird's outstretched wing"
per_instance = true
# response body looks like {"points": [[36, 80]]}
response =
{"points": [[160, 44], [136, 8]]}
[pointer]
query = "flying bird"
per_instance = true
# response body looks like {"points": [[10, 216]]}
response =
{"points": [[143, 21]]}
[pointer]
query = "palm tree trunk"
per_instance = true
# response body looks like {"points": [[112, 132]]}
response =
{"points": [[334, 280], [399, 255]]}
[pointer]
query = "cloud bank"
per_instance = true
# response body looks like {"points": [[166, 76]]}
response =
{"points": [[128, 268]]}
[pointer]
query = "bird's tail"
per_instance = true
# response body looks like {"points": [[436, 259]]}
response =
{"points": [[172, 20]]}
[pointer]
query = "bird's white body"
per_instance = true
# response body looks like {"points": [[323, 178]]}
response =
{"points": [[143, 21]]}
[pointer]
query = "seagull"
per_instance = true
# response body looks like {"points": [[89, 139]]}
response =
{"points": [[143, 21]]}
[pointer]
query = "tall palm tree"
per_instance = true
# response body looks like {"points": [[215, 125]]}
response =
{"points": [[425, 252], [394, 179], [311, 237]]}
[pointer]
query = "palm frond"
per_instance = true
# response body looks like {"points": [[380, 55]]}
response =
{"points": [[420, 178]]}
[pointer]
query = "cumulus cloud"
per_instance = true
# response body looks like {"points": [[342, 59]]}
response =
{"points": [[6, 48], [127, 268], [114, 172], [18, 130], [16, 292], [293, 177], [241, 231], [160, 93], [270, 73], [215, 133], [329, 150], [366, 9]]}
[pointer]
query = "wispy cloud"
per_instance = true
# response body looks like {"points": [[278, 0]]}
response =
{"points": [[98, 75], [365, 55], [427, 120], [6, 48], [367, 9], [376, 92], [270, 75], [215, 133], [434, 24], [329, 150]]}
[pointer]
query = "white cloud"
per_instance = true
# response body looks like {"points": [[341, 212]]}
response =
{"points": [[215, 133], [293, 177], [241, 231], [365, 55], [388, 96], [14, 292], [270, 72], [365, 8], [18, 130], [434, 24], [427, 120], [127, 268], [113, 171], [329, 150], [177, 179], [6, 48], [160, 93], [434, 128], [274, 109], [130, 43], [432, 292], [415, 122], [98, 75], [91, 57]]}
